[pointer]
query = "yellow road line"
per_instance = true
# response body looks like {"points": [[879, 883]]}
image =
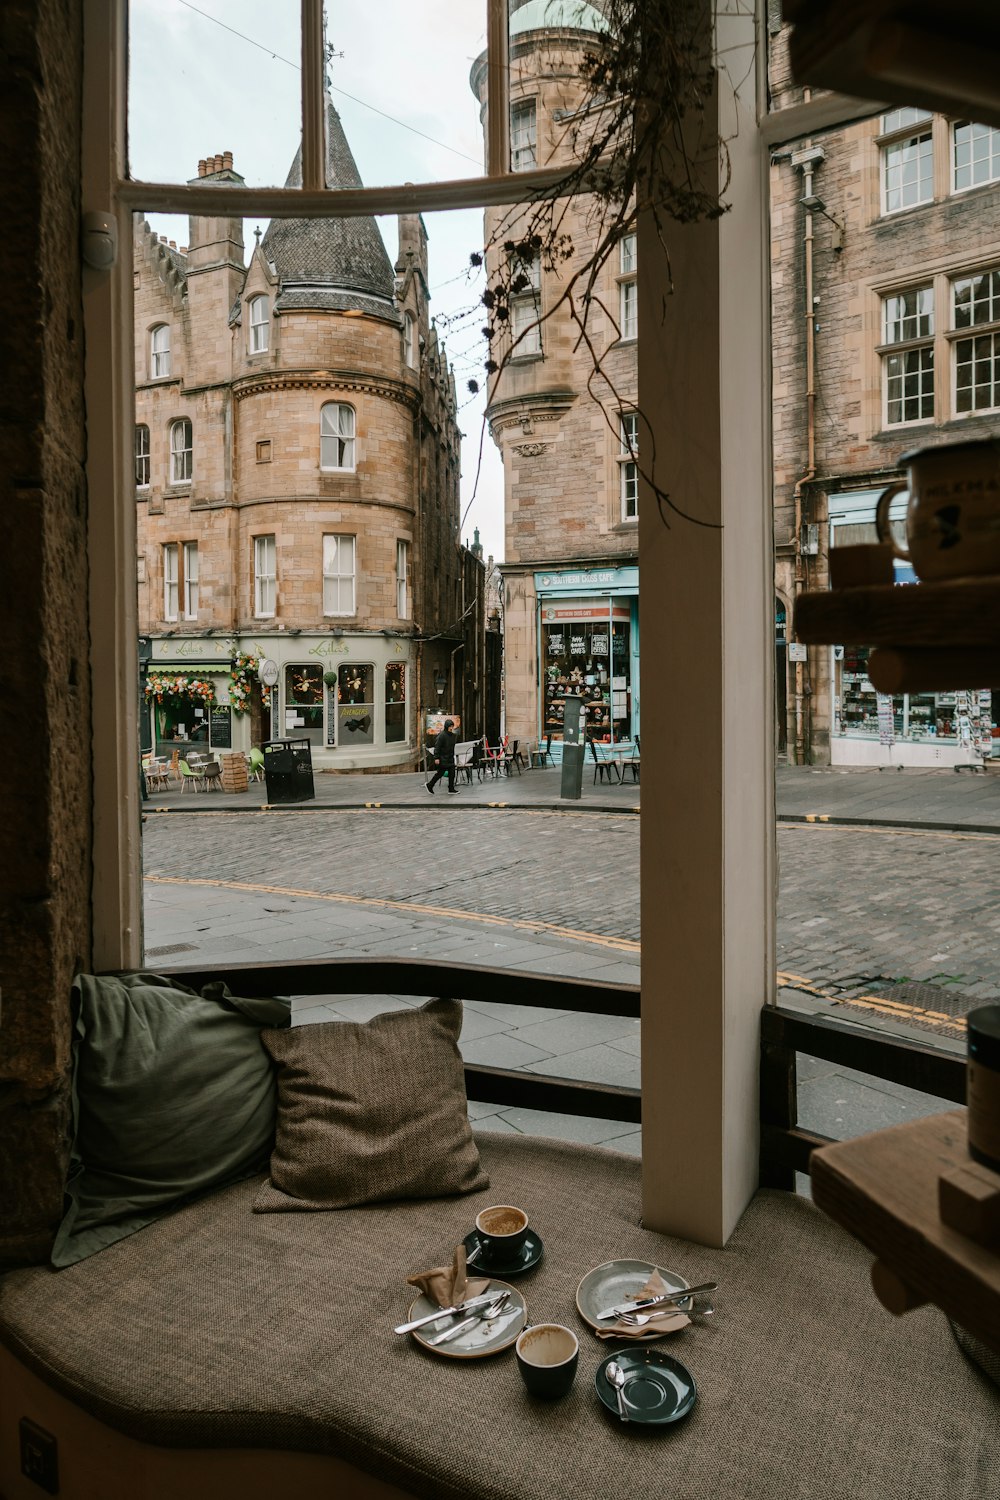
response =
{"points": [[903, 1010], [620, 945], [817, 820]]}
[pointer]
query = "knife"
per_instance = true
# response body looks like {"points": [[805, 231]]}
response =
{"points": [[678, 1294], [447, 1312], [477, 1317]]}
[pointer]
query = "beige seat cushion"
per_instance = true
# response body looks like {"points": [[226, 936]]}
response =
{"points": [[221, 1327]]}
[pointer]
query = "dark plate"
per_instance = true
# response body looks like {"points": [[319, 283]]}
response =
{"points": [[529, 1255], [658, 1388]]}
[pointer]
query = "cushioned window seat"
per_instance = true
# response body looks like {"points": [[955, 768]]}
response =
{"points": [[221, 1351]]}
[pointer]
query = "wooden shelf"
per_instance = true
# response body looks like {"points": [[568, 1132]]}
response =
{"points": [[957, 613], [884, 1189]]}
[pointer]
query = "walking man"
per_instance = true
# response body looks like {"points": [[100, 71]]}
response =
{"points": [[444, 756]]}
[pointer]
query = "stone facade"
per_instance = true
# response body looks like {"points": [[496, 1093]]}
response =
{"points": [[320, 501], [866, 249], [571, 541]]}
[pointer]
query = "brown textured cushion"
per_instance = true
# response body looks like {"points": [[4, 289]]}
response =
{"points": [[371, 1111]]}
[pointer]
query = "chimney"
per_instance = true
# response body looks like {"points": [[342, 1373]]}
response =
{"points": [[202, 167], [218, 163], [227, 160]]}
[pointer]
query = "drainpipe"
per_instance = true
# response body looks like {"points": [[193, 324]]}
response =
{"points": [[806, 159]]}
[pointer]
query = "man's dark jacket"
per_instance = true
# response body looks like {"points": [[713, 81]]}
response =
{"points": [[444, 748]]}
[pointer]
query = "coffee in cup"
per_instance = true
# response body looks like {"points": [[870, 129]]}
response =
{"points": [[502, 1230], [953, 514], [547, 1357]]}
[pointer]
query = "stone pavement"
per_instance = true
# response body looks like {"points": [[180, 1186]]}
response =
{"points": [[895, 920]]}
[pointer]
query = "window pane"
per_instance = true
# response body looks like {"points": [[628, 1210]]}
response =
{"points": [[336, 443], [304, 703], [909, 315], [170, 581], [355, 705], [338, 575], [976, 155], [907, 173], [898, 119], [523, 135], [910, 386], [142, 455], [525, 328], [395, 703], [977, 299], [977, 373], [221, 80]]}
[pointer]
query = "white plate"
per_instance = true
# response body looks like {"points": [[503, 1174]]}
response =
{"points": [[483, 1337], [617, 1282]]}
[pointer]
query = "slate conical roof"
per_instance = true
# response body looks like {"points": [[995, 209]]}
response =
{"points": [[330, 263]]}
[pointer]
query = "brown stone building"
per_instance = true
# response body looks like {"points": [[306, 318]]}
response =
{"points": [[297, 482], [570, 573], [885, 243]]}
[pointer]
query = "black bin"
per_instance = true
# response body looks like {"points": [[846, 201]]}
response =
{"points": [[288, 772]]}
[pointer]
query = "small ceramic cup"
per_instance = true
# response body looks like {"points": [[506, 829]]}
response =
{"points": [[502, 1231], [953, 513], [547, 1356]]}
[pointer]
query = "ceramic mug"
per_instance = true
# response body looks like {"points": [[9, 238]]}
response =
{"points": [[953, 517], [547, 1356], [502, 1231]]}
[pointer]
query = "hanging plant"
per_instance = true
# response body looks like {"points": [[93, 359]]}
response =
{"points": [[244, 673], [180, 689], [330, 678]]}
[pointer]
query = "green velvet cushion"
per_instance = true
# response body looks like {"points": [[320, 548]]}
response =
{"points": [[173, 1095]]}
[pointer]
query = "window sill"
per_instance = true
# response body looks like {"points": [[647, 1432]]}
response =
{"points": [[627, 523], [527, 359], [331, 472]]}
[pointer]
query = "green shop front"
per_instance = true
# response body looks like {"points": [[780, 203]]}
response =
{"points": [[588, 648]]}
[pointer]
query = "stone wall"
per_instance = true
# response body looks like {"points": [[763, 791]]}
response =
{"points": [[45, 828]]}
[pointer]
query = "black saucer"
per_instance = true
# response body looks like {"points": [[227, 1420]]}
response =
{"points": [[529, 1254]]}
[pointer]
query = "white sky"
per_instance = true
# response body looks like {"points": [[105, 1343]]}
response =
{"points": [[198, 89]]}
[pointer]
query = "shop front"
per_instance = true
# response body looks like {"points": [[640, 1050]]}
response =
{"points": [[351, 697], [909, 729], [588, 645]]}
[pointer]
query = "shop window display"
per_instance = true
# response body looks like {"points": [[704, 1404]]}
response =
{"points": [[916, 717], [355, 705], [578, 664], [395, 703], [304, 703]]}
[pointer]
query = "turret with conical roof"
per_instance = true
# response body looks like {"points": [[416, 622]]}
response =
{"points": [[330, 264]]}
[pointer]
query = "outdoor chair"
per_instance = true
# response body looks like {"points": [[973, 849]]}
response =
{"points": [[602, 767], [513, 759], [478, 761], [211, 777], [463, 761], [544, 752], [632, 764], [255, 765], [190, 778]]}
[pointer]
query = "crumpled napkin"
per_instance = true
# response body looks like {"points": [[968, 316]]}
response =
{"points": [[449, 1285], [670, 1320]]}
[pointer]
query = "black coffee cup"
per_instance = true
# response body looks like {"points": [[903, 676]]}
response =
{"points": [[502, 1231], [547, 1357]]}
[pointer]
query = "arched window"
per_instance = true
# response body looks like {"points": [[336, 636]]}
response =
{"points": [[336, 436], [260, 324], [181, 452], [159, 351], [409, 341]]}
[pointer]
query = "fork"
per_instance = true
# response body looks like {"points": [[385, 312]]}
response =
{"points": [[639, 1320], [482, 1315]]}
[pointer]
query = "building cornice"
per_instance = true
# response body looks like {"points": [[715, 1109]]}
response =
{"points": [[328, 380], [523, 411]]}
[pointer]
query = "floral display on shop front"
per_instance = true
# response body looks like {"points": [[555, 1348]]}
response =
{"points": [[245, 672], [161, 686]]}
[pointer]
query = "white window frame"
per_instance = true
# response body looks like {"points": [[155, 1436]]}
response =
{"points": [[189, 559], [904, 131], [402, 579], [181, 452], [337, 437], [978, 134], [171, 580], [143, 456], [907, 352], [159, 352], [265, 576], [260, 327], [410, 341], [983, 336], [526, 311], [628, 288], [524, 135], [339, 580], [628, 466], [710, 944]]}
